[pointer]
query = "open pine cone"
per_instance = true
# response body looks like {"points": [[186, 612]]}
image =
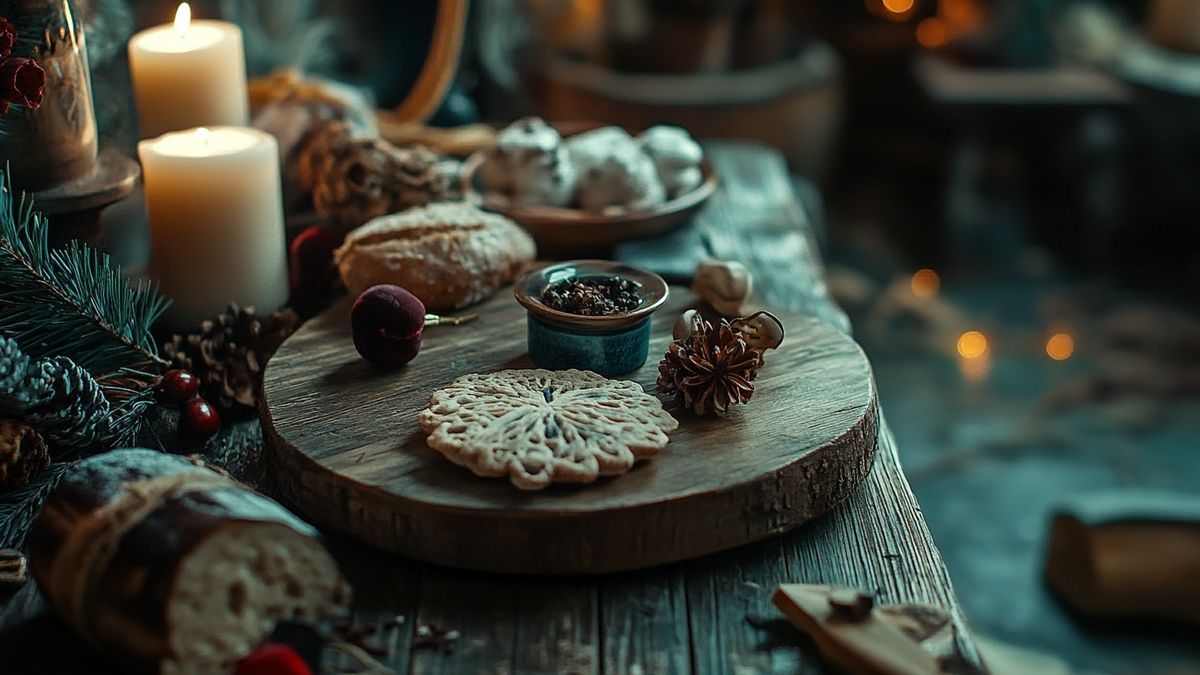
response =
{"points": [[72, 411], [710, 369], [23, 454], [356, 178], [228, 355], [14, 365]]}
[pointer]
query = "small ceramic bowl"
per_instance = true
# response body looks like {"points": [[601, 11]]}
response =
{"points": [[610, 345]]}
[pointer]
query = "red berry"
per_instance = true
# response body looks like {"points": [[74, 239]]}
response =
{"points": [[273, 659], [311, 262], [178, 387], [200, 418]]}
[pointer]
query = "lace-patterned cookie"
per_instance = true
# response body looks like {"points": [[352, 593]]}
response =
{"points": [[541, 427]]}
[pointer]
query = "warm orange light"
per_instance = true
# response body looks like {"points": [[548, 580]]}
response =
{"points": [[183, 19], [972, 345], [960, 11], [898, 6], [925, 283], [931, 33], [1060, 346]]}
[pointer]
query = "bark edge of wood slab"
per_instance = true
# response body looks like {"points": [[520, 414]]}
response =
{"points": [[348, 452]]}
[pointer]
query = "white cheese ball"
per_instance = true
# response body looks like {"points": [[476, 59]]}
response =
{"points": [[676, 156], [531, 164], [623, 178]]}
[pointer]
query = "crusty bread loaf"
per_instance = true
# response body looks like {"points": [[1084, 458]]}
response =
{"points": [[449, 255], [172, 568]]}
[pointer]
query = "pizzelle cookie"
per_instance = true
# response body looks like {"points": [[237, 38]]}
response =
{"points": [[540, 426]]}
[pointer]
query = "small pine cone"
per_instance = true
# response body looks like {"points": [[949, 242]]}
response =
{"points": [[354, 178], [14, 366], [73, 411], [326, 145], [23, 454], [710, 369], [228, 354]]}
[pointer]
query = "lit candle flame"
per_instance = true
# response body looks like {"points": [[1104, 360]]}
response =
{"points": [[183, 19], [202, 133]]}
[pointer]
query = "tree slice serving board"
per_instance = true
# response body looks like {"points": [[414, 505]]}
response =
{"points": [[350, 455]]}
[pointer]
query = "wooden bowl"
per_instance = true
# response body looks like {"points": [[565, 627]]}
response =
{"points": [[564, 232]]}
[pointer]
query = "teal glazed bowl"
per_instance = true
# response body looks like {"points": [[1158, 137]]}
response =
{"points": [[611, 345]]}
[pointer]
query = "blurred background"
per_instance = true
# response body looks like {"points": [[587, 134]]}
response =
{"points": [[1006, 192]]}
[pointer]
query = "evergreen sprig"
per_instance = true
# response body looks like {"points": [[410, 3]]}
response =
{"points": [[71, 301], [19, 508]]}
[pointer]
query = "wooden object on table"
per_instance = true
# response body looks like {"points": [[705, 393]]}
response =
{"points": [[846, 629], [1128, 554], [1174, 24], [712, 615], [794, 105], [455, 141], [951, 84], [351, 456], [859, 637], [441, 64]]}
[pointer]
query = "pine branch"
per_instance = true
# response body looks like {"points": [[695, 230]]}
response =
{"points": [[19, 508], [72, 301]]}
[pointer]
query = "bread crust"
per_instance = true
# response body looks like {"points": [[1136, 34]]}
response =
{"points": [[450, 255]]}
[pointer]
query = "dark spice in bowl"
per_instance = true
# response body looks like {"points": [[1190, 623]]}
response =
{"points": [[596, 296]]}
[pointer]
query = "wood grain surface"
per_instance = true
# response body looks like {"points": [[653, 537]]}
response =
{"points": [[707, 615], [352, 457]]}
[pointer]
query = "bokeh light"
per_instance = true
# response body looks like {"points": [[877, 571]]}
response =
{"points": [[972, 345], [925, 283], [1060, 346], [931, 33], [898, 6]]}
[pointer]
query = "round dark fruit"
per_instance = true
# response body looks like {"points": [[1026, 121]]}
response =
{"points": [[200, 418], [310, 262], [272, 659], [387, 322], [177, 387]]}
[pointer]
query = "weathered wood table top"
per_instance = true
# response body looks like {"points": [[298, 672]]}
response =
{"points": [[711, 615]]}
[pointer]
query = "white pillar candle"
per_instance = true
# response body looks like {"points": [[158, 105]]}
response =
{"points": [[190, 74], [216, 221]]}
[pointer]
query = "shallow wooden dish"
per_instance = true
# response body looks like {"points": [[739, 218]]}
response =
{"points": [[562, 232], [351, 456]]}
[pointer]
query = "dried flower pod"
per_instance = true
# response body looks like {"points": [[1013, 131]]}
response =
{"points": [[710, 370], [726, 285], [761, 330]]}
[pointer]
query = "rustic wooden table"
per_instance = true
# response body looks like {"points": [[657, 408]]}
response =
{"points": [[711, 615]]}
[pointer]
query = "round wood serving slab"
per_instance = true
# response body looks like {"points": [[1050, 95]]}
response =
{"points": [[351, 456]]}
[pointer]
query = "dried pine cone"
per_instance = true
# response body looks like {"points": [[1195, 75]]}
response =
{"points": [[710, 369], [14, 365], [72, 411], [228, 355], [354, 178], [23, 454]]}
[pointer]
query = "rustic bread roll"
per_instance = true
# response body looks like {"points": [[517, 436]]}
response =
{"points": [[449, 255], [173, 568]]}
